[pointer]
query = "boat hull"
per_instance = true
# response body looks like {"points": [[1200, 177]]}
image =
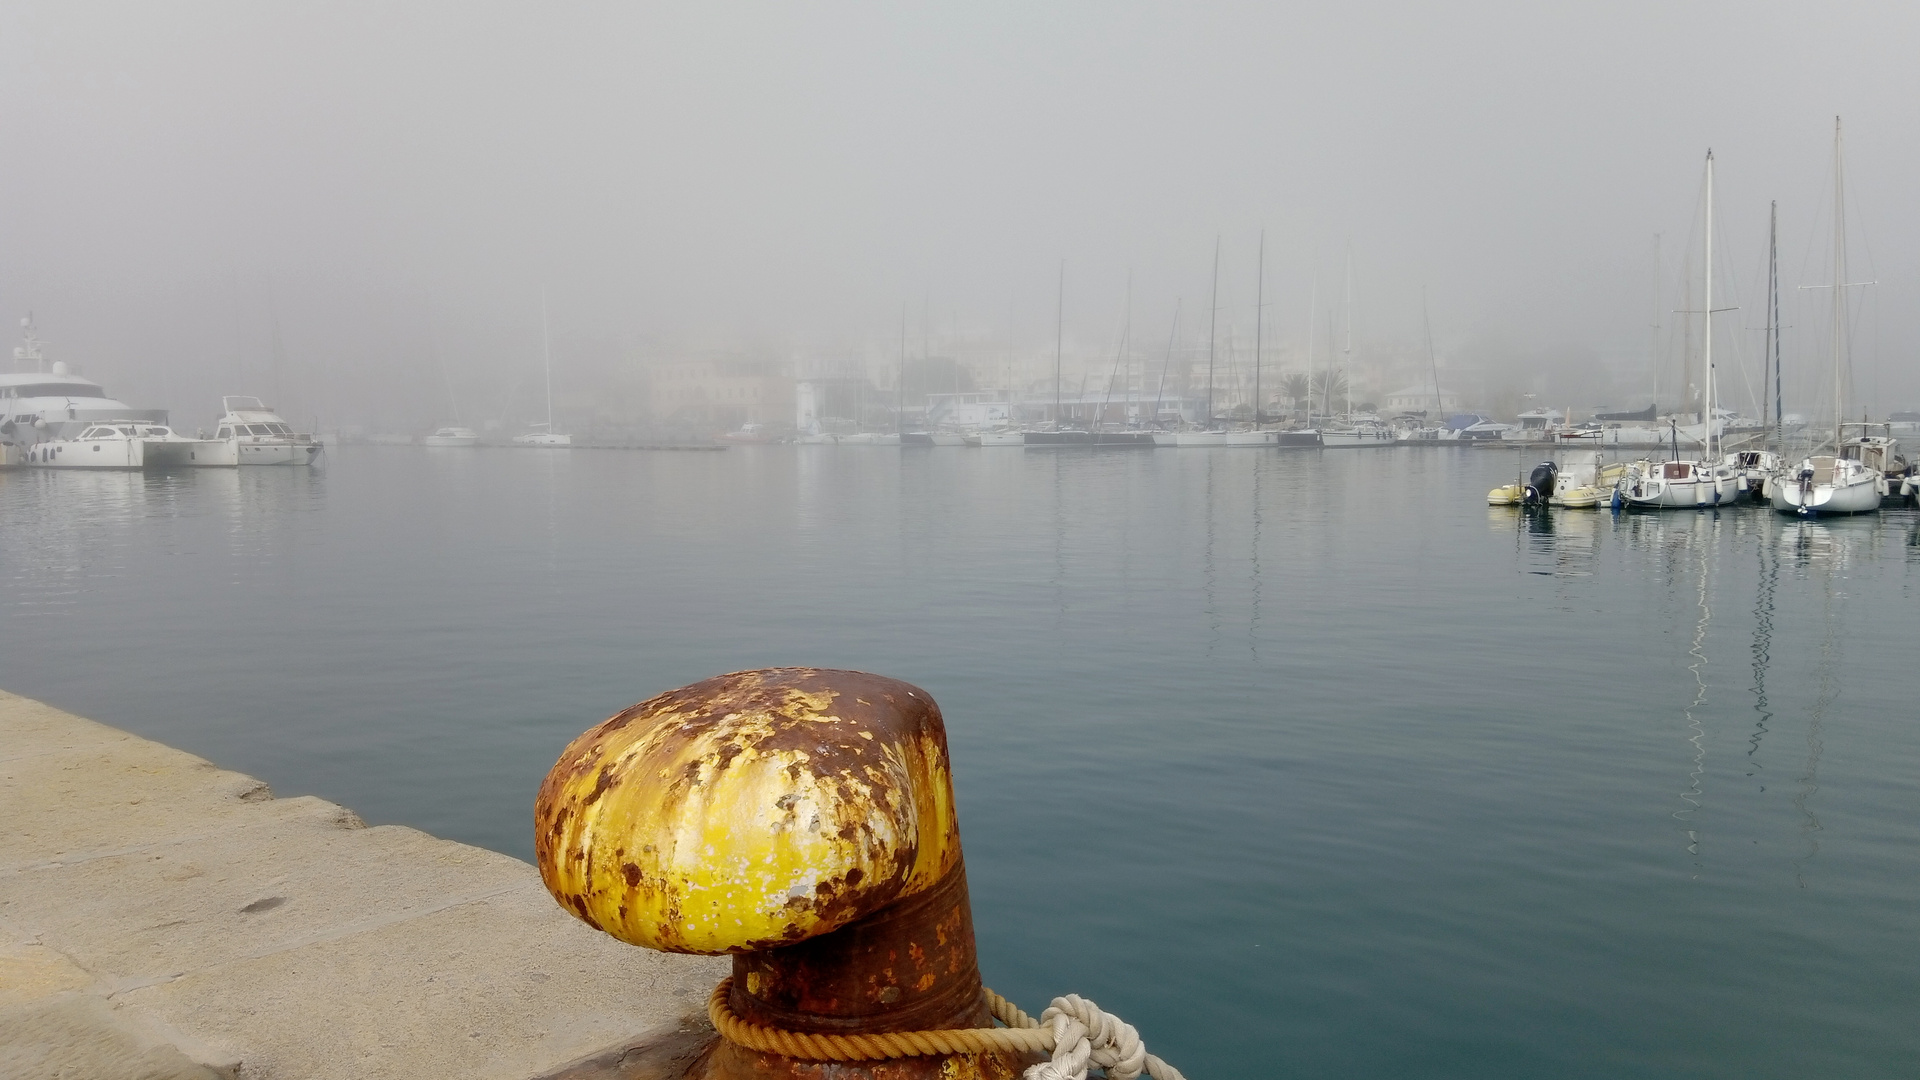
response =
{"points": [[103, 454], [1342, 439], [1680, 495], [1200, 438], [1813, 500], [1090, 438], [190, 453]]}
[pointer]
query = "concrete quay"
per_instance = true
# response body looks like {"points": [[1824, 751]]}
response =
{"points": [[162, 918]]}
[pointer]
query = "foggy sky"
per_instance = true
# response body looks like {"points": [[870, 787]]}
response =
{"points": [[785, 177]]}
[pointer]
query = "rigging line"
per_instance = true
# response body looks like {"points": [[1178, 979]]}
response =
{"points": [[1126, 330], [1172, 332]]}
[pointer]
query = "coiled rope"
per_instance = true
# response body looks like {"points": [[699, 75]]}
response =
{"points": [[1074, 1030]]}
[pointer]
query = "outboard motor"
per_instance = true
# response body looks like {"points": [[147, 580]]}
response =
{"points": [[1540, 482]]}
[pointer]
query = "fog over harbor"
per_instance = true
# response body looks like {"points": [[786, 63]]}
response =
{"points": [[211, 199]]}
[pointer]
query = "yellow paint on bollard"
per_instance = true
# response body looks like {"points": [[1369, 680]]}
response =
{"points": [[749, 811]]}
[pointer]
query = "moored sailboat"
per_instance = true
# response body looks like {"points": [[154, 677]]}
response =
{"points": [[1836, 483], [546, 435], [1691, 483]]}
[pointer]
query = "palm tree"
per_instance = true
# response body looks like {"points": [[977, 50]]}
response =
{"points": [[1295, 387], [1332, 388]]}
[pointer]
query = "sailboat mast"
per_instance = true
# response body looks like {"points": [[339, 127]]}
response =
{"points": [[1313, 311], [1327, 395], [1259, 313], [546, 356], [1213, 316], [1839, 272], [1166, 364], [1346, 354], [1773, 316], [1439, 406], [1653, 333], [1706, 364], [1059, 332], [900, 382]]}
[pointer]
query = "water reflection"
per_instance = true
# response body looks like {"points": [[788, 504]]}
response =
{"points": [[1761, 650], [1696, 667], [1551, 542]]}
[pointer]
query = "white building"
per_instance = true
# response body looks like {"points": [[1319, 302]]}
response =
{"points": [[1420, 399]]}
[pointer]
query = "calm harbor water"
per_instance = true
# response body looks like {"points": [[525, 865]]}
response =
{"points": [[1308, 763]]}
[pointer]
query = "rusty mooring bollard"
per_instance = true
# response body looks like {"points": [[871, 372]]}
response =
{"points": [[801, 820]]}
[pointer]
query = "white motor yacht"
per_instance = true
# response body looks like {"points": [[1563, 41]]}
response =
{"points": [[451, 436], [49, 402], [128, 445], [258, 435]]}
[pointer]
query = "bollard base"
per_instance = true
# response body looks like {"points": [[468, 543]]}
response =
{"points": [[667, 1055], [727, 1061]]}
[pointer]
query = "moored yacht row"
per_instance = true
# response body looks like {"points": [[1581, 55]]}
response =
{"points": [[51, 418], [1862, 476]]}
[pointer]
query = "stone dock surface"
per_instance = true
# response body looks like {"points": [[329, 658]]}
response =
{"points": [[161, 917]]}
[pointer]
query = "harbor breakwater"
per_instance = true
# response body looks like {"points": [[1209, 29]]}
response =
{"points": [[163, 918]]}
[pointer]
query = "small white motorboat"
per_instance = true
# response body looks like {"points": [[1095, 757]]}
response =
{"points": [[451, 436], [256, 435]]}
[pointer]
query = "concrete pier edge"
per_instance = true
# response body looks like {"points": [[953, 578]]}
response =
{"points": [[161, 917]]}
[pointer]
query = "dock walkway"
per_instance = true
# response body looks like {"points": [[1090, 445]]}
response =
{"points": [[163, 918]]}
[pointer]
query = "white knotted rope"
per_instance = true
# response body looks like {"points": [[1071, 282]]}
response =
{"points": [[1084, 1035], [1074, 1030]]}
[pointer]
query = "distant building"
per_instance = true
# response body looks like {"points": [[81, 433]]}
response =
{"points": [[720, 394], [978, 409], [1416, 399]]}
